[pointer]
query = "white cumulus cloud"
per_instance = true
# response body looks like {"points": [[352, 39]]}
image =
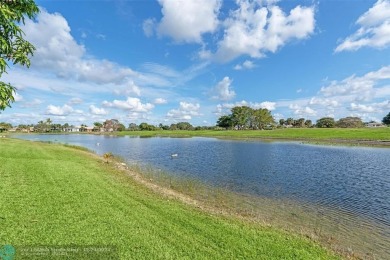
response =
{"points": [[302, 111], [130, 89], [186, 21], [223, 109], [366, 96], [266, 104], [362, 108], [160, 101], [186, 111], [57, 51], [254, 29], [97, 111], [130, 104], [58, 110], [245, 65], [18, 97], [323, 102], [374, 29], [75, 100], [359, 86], [34, 103], [55, 46], [148, 27], [223, 90]]}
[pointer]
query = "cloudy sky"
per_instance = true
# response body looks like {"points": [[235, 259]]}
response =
{"points": [[168, 61]]}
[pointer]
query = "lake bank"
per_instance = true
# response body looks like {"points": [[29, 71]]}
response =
{"points": [[375, 137], [51, 191], [329, 193]]}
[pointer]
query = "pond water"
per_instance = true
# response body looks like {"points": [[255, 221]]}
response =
{"points": [[353, 180]]}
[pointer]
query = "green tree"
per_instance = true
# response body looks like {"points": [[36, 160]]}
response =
{"points": [[56, 127], [308, 123], [121, 127], [83, 128], [48, 124], [97, 126], [13, 47], [5, 126], [241, 117], [244, 117], [146, 127], [350, 122], [386, 119], [23, 127], [133, 127], [225, 121], [261, 118], [326, 122], [65, 127], [299, 123], [163, 127], [184, 126], [40, 127], [290, 121]]}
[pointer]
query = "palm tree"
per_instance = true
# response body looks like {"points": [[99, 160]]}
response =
{"points": [[83, 127], [290, 121], [107, 156], [48, 124], [97, 126]]}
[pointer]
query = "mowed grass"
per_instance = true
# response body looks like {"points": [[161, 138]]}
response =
{"points": [[373, 134], [56, 195]]}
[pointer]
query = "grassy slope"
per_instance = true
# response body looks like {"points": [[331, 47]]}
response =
{"points": [[292, 133], [56, 195]]}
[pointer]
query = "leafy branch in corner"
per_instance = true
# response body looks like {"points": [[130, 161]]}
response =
{"points": [[13, 47]]}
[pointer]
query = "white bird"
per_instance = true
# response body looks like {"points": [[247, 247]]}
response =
{"points": [[174, 155], [97, 144]]}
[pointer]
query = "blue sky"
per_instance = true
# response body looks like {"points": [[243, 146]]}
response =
{"points": [[169, 61]]}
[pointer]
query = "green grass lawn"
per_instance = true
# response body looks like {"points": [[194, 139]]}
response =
{"points": [[56, 196], [291, 133]]}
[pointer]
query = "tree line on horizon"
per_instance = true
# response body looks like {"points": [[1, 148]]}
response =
{"points": [[244, 117], [240, 118], [109, 125]]}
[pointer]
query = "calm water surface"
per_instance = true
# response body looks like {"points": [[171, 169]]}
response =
{"points": [[352, 179]]}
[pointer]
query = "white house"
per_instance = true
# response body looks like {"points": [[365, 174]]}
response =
{"points": [[375, 124]]}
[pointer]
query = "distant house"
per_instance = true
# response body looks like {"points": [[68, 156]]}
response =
{"points": [[97, 129], [374, 124], [89, 129], [72, 129]]}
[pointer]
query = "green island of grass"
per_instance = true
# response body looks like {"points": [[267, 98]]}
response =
{"points": [[53, 195]]}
